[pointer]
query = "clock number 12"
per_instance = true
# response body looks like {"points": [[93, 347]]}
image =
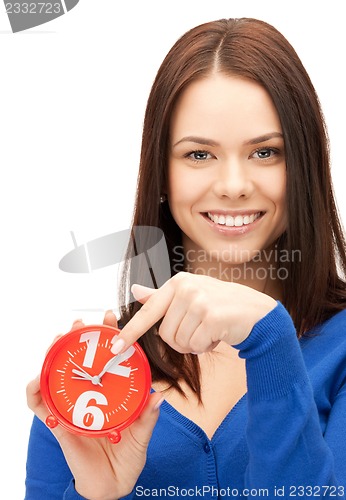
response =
{"points": [[92, 340]]}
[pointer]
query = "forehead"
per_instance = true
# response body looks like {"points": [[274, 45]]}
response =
{"points": [[224, 107]]}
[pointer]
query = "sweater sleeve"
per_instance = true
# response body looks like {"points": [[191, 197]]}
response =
{"points": [[47, 473], [286, 446]]}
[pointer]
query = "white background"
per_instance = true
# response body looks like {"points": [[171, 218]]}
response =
{"points": [[72, 100]]}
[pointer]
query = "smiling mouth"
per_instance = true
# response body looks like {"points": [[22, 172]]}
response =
{"points": [[234, 221]]}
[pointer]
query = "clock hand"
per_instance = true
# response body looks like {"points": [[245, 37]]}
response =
{"points": [[85, 375], [110, 366], [79, 368], [122, 371], [95, 382], [82, 374]]}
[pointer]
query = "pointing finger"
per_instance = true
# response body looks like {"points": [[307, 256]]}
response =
{"points": [[142, 293], [155, 308]]}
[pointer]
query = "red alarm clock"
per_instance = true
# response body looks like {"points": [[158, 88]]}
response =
{"points": [[87, 389]]}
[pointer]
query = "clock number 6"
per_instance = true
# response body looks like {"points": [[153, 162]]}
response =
{"points": [[89, 417]]}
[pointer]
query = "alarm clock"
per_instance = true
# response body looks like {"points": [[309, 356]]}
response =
{"points": [[87, 389]]}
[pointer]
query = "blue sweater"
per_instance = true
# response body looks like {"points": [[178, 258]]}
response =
{"points": [[285, 438]]}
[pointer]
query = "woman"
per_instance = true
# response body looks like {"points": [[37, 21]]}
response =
{"points": [[246, 340]]}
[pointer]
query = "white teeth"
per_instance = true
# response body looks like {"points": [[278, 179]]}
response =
{"points": [[230, 221], [239, 221]]}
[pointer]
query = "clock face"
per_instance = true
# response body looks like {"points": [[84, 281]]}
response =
{"points": [[88, 389]]}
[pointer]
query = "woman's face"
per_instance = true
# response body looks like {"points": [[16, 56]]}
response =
{"points": [[227, 171]]}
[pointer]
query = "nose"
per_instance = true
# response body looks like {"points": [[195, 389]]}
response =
{"points": [[232, 180]]}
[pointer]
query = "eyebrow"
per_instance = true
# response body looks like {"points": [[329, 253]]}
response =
{"points": [[264, 138], [210, 142]]}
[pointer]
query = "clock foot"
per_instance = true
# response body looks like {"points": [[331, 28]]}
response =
{"points": [[51, 422], [114, 437]]}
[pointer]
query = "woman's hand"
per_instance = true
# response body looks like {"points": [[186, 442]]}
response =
{"points": [[198, 312], [101, 470]]}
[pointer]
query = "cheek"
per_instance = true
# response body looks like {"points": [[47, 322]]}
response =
{"points": [[276, 192], [185, 186], [280, 194], [274, 189]]}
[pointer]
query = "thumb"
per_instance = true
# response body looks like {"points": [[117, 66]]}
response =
{"points": [[142, 293], [143, 427]]}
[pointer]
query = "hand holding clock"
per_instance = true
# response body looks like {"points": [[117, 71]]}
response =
{"points": [[198, 312], [100, 469]]}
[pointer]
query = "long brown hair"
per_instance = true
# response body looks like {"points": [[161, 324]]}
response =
{"points": [[314, 289]]}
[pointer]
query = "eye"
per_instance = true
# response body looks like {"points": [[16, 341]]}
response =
{"points": [[265, 153], [198, 155]]}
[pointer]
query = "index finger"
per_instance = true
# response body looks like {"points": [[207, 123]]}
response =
{"points": [[153, 310]]}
